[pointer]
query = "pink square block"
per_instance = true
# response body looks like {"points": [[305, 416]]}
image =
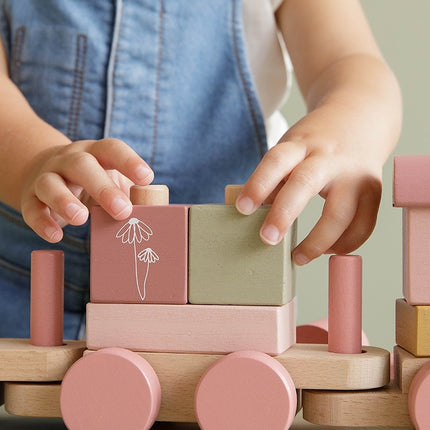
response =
{"points": [[140, 260], [411, 181], [416, 255]]}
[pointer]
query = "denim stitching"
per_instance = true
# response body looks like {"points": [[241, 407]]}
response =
{"points": [[16, 54], [244, 82], [78, 84], [157, 84], [110, 90]]}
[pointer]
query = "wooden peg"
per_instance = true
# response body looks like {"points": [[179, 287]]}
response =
{"points": [[149, 195], [47, 297], [345, 275], [231, 193]]}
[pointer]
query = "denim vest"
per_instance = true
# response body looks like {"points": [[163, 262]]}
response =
{"points": [[169, 77]]}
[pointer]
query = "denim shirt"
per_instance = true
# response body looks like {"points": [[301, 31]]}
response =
{"points": [[169, 77]]}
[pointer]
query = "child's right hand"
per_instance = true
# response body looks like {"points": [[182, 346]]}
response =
{"points": [[61, 181]]}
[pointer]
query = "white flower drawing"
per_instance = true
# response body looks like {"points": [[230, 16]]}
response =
{"points": [[148, 256], [131, 232], [134, 231]]}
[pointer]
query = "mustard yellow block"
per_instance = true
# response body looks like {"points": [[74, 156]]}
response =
{"points": [[413, 328]]}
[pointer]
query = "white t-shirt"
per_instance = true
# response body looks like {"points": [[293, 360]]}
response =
{"points": [[269, 61]]}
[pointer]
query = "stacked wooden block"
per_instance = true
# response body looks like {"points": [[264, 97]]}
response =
{"points": [[179, 278], [411, 192]]}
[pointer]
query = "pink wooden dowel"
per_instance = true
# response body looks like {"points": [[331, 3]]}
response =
{"points": [[47, 298], [345, 278]]}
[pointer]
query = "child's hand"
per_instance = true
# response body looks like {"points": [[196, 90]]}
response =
{"points": [[61, 179], [308, 161]]}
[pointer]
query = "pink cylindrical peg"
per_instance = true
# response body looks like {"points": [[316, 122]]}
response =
{"points": [[47, 298], [344, 317]]}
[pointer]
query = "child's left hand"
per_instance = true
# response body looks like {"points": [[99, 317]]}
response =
{"points": [[339, 148], [304, 164]]}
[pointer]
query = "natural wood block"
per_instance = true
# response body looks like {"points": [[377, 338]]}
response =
{"points": [[411, 181], [406, 366], [21, 361], [229, 264], [191, 328], [111, 389], [142, 259], [310, 366], [150, 195], [27, 399], [416, 255], [231, 194], [413, 328], [385, 407], [246, 389]]}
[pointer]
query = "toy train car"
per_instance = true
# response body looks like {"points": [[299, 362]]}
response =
{"points": [[192, 319]]}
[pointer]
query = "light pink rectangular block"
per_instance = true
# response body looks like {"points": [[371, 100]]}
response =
{"points": [[411, 181], [140, 260], [416, 255], [191, 328]]}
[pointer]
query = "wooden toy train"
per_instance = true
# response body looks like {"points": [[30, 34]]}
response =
{"points": [[192, 318]]}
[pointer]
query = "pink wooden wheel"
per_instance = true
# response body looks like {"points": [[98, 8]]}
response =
{"points": [[112, 388], [419, 398], [246, 390]]}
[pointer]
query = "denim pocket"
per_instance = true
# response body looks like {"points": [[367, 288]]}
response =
{"points": [[47, 63]]}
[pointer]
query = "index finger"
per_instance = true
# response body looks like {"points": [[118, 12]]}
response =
{"points": [[305, 182], [115, 154], [275, 166]]}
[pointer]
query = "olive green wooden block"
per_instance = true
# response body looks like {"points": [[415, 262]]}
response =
{"points": [[229, 264]]}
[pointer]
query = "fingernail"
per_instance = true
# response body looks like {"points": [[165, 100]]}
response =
{"points": [[300, 259], [120, 206], [143, 173], [245, 205], [53, 234], [270, 234], [75, 212]]}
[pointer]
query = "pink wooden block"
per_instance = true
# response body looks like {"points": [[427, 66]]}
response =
{"points": [[191, 328], [317, 332], [47, 298], [142, 259], [416, 255], [246, 390], [411, 181], [110, 389], [419, 398], [345, 278]]}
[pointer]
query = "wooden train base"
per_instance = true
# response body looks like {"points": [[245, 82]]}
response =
{"points": [[310, 367]]}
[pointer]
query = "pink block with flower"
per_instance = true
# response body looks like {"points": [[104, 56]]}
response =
{"points": [[143, 259]]}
